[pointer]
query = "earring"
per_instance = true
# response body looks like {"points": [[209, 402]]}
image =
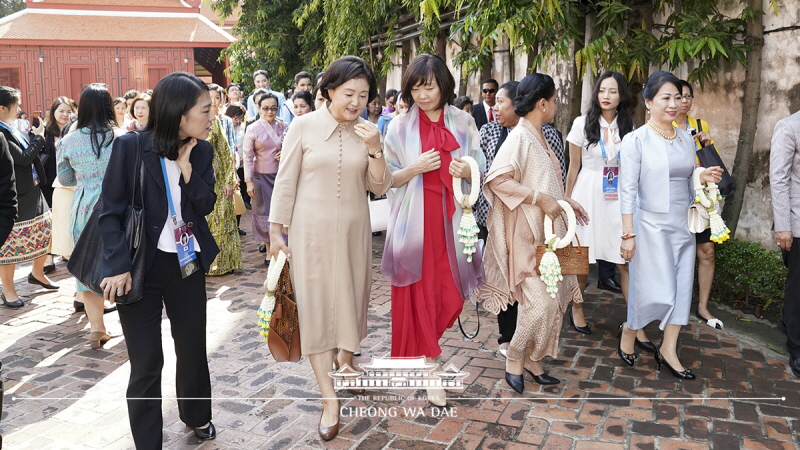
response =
{"points": [[543, 110]]}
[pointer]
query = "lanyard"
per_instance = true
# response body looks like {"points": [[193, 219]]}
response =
{"points": [[169, 193], [603, 149], [17, 134]]}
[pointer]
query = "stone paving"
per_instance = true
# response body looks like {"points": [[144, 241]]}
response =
{"points": [[63, 395]]}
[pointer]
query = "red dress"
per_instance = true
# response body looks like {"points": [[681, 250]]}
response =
{"points": [[422, 311]]}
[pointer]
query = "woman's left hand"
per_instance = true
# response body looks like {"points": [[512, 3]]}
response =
{"points": [[711, 175], [116, 286], [371, 136], [703, 137], [580, 214], [460, 169], [228, 190]]}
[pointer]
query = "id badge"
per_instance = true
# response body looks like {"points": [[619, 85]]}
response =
{"points": [[610, 183], [187, 258]]}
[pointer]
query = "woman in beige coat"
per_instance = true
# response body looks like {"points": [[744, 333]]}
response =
{"points": [[330, 157]]}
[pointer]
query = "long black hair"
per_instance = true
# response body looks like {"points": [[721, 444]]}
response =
{"points": [[173, 97], [51, 123], [626, 103], [97, 114]]}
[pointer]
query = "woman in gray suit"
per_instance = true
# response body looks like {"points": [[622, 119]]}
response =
{"points": [[657, 164]]}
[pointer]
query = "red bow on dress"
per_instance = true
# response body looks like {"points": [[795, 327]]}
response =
{"points": [[441, 139]]}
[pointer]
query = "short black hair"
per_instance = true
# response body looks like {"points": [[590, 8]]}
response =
{"points": [[266, 96], [173, 97], [425, 69], [9, 96], [260, 72], [490, 80], [511, 89], [232, 85], [685, 83], [345, 69], [319, 75], [302, 75], [130, 94], [306, 97], [461, 102], [235, 109], [531, 89], [391, 93], [656, 81], [257, 95]]}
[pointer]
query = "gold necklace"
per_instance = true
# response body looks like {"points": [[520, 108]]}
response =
{"points": [[661, 133]]}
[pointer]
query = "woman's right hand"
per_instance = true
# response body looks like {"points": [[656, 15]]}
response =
{"points": [[549, 205], [116, 286], [276, 241], [38, 131], [627, 248], [251, 189], [427, 162]]}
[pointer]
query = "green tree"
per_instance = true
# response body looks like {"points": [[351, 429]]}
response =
{"points": [[8, 7]]}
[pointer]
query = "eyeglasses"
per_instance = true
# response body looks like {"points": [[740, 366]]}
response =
{"points": [[687, 97], [269, 108], [489, 91]]}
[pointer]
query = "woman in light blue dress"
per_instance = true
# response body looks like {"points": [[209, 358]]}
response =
{"points": [[81, 161], [656, 190]]}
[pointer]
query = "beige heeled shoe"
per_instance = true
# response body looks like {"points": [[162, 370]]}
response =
{"points": [[98, 338], [437, 396]]}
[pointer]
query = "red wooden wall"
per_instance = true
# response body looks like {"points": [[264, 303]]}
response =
{"points": [[65, 70]]}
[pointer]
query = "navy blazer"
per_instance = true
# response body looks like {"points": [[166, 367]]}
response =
{"points": [[479, 114], [197, 201], [8, 191], [23, 157]]}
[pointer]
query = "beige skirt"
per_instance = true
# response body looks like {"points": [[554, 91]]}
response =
{"points": [[62, 205]]}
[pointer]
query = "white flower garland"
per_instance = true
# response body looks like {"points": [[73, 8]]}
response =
{"points": [[468, 227], [709, 197], [270, 284], [549, 267]]}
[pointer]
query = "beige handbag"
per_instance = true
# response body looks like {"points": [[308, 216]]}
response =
{"points": [[238, 203]]}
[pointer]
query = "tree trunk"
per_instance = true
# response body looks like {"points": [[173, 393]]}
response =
{"points": [[532, 54], [747, 130]]}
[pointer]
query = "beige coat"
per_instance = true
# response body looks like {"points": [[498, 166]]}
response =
{"points": [[321, 196]]}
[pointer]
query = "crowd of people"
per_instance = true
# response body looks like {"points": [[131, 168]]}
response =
{"points": [[205, 149]]}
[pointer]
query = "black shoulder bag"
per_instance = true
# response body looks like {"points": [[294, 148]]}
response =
{"points": [[87, 257], [709, 157]]}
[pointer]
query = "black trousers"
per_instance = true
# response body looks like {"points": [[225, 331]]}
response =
{"points": [[606, 270], [185, 302], [791, 299]]}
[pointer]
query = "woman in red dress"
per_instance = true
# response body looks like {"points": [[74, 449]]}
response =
{"points": [[431, 277]]}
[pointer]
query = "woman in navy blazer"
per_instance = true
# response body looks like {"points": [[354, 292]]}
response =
{"points": [[173, 147]]}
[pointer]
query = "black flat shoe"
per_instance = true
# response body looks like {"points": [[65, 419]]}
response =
{"points": [[582, 330], [262, 248], [242, 232], [15, 304], [646, 346], [544, 378], [79, 307], [686, 374], [609, 284], [629, 359], [266, 262], [207, 433], [33, 280], [49, 268], [517, 382]]}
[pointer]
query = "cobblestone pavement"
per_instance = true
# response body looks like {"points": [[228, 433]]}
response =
{"points": [[63, 395]]}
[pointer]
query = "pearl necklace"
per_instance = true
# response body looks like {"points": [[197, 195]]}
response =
{"points": [[661, 133]]}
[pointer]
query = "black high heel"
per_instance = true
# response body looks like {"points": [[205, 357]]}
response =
{"points": [[544, 378], [582, 330], [646, 345], [629, 359], [517, 382], [686, 374]]}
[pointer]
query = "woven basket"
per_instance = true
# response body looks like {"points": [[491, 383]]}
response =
{"points": [[574, 259], [284, 326]]}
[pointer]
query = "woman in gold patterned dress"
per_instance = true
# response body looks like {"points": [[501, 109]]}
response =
{"points": [[222, 221]]}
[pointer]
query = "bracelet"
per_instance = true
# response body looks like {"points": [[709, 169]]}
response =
{"points": [[627, 236], [535, 197]]}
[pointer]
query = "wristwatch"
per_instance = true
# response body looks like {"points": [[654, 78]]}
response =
{"points": [[377, 154]]}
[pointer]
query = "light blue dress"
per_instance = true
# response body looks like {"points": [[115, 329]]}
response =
{"points": [[655, 185], [78, 165]]}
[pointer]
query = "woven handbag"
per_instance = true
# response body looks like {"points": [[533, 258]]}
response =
{"points": [[279, 321], [574, 259]]}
